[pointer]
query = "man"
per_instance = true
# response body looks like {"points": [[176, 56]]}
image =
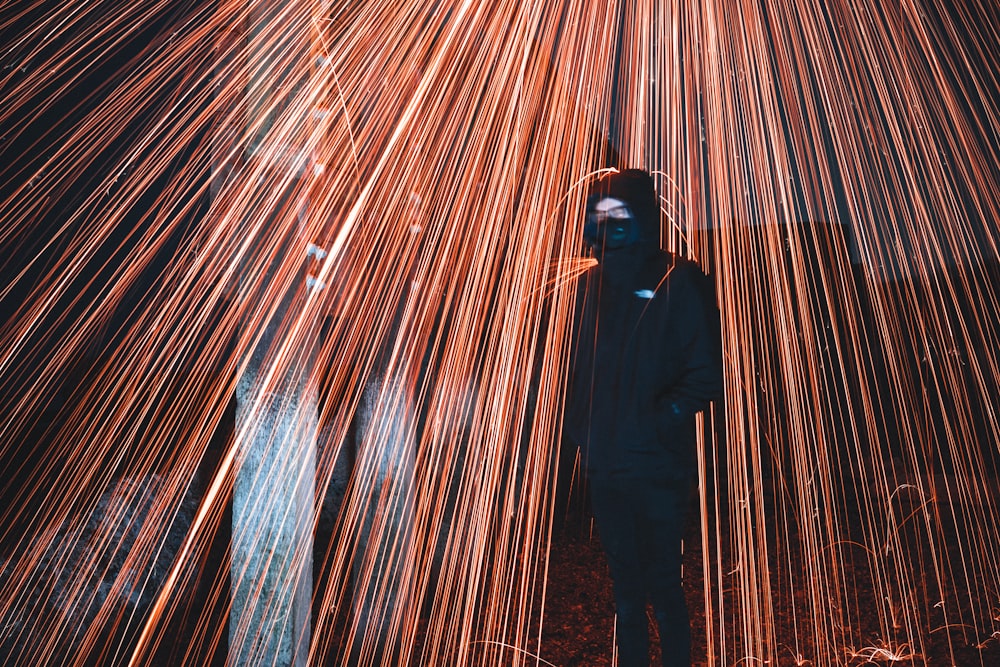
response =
{"points": [[647, 358]]}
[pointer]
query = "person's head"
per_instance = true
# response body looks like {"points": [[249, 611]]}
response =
{"points": [[622, 211]]}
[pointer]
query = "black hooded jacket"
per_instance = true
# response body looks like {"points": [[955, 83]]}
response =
{"points": [[646, 359]]}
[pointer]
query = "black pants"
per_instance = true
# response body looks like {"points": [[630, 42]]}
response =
{"points": [[641, 524]]}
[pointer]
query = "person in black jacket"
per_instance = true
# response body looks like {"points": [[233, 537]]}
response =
{"points": [[647, 358]]}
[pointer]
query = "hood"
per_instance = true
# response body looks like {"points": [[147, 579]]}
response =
{"points": [[634, 187]]}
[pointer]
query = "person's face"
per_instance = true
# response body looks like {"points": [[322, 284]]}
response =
{"points": [[610, 224]]}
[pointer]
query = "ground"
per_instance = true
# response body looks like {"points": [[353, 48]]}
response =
{"points": [[579, 616]]}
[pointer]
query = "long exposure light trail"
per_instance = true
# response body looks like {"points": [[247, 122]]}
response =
{"points": [[390, 194]]}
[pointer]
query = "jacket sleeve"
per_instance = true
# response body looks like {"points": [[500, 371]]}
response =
{"points": [[697, 326]]}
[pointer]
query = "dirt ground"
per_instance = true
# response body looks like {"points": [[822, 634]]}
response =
{"points": [[579, 617]]}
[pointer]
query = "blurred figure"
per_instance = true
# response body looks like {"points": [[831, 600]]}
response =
{"points": [[647, 358]]}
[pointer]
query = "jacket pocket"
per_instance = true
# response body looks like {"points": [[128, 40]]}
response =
{"points": [[669, 422]]}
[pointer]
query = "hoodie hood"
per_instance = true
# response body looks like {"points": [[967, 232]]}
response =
{"points": [[634, 187]]}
